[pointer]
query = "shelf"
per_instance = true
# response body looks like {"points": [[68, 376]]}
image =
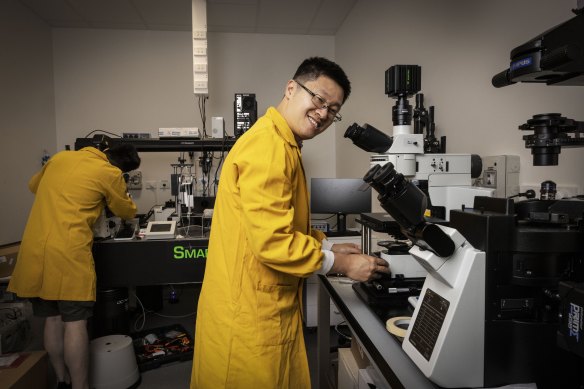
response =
{"points": [[162, 145]]}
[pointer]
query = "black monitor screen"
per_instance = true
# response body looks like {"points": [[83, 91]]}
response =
{"points": [[163, 227], [339, 195]]}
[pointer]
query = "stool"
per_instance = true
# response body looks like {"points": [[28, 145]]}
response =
{"points": [[113, 363]]}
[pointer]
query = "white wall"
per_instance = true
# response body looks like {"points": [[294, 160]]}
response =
{"points": [[27, 121], [141, 80], [262, 64], [460, 45], [138, 81]]}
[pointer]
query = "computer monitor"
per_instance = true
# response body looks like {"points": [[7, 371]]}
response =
{"points": [[340, 196]]}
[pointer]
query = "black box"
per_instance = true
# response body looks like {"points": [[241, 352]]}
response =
{"points": [[157, 346], [571, 331]]}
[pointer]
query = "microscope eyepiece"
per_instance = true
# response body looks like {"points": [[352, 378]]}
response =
{"points": [[404, 201], [368, 138], [368, 177]]}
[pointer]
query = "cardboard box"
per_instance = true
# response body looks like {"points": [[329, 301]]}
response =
{"points": [[364, 380], [8, 254], [348, 370], [31, 372], [359, 354]]}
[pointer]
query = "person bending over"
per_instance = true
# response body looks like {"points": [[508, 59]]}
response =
{"points": [[55, 267]]}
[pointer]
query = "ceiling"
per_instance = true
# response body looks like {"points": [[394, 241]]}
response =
{"points": [[303, 17]]}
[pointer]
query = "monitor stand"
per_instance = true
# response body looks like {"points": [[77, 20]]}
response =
{"points": [[342, 227]]}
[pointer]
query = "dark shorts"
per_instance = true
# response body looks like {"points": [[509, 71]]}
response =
{"points": [[68, 310]]}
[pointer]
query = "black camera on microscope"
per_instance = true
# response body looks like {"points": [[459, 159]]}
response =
{"points": [[402, 82]]}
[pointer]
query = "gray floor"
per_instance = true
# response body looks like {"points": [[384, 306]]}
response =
{"points": [[177, 374]]}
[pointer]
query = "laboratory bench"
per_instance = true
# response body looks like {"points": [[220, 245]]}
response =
{"points": [[142, 262], [123, 263], [393, 367]]}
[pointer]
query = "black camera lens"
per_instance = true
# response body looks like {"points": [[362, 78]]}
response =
{"points": [[545, 156], [548, 190], [401, 113], [550, 132]]}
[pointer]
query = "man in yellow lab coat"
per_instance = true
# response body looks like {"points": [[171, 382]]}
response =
{"points": [[249, 328], [55, 266]]}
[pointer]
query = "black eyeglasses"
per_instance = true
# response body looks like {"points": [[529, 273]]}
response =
{"points": [[320, 103]]}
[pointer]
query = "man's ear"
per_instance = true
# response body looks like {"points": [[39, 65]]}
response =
{"points": [[290, 88]]}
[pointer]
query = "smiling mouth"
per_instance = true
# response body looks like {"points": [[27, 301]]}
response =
{"points": [[315, 123]]}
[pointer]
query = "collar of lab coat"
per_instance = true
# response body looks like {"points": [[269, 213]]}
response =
{"points": [[282, 126], [95, 151]]}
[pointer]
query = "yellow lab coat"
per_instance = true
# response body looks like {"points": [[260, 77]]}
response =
{"points": [[55, 260], [248, 326]]}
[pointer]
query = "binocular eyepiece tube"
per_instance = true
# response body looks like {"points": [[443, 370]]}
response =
{"points": [[406, 203]]}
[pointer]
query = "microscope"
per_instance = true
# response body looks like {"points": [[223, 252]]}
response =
{"points": [[415, 152], [502, 301], [445, 178]]}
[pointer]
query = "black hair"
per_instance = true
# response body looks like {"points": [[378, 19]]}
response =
{"points": [[124, 156], [314, 67]]}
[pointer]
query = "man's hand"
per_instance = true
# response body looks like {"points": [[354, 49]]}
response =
{"points": [[346, 248], [359, 267]]}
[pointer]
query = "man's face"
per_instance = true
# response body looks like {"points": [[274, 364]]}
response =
{"points": [[302, 115]]}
